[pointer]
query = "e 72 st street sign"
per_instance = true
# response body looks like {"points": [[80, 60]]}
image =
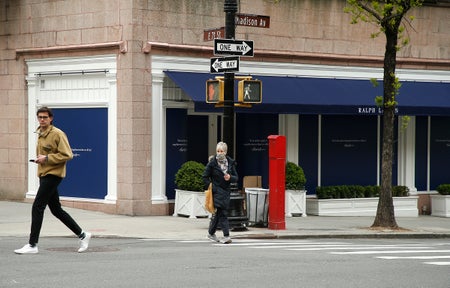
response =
{"points": [[225, 64], [233, 47], [214, 33]]}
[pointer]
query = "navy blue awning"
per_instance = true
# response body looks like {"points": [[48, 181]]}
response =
{"points": [[292, 95]]}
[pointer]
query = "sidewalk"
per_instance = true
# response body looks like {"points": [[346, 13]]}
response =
{"points": [[15, 220]]}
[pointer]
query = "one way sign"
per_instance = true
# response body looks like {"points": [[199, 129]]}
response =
{"points": [[233, 47], [225, 64]]}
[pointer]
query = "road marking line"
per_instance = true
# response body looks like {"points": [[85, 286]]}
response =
{"points": [[288, 244], [351, 248], [438, 263], [414, 257], [392, 252]]}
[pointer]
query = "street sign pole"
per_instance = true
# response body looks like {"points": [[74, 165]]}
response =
{"points": [[230, 9]]}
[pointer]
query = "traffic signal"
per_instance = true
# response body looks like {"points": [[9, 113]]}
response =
{"points": [[214, 91], [250, 91]]}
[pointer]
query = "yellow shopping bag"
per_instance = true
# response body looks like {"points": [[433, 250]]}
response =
{"points": [[209, 201]]}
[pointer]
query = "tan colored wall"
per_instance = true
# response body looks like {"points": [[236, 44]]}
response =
{"points": [[31, 27], [315, 26]]}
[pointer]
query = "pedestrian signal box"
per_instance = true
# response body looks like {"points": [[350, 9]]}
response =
{"points": [[214, 91], [250, 91]]}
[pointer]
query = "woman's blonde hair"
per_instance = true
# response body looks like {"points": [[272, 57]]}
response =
{"points": [[223, 146]]}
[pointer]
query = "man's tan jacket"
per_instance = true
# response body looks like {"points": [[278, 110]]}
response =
{"points": [[54, 144]]}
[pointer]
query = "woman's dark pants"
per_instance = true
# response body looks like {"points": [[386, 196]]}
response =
{"points": [[219, 218]]}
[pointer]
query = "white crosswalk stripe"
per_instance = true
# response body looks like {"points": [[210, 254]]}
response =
{"points": [[438, 263], [415, 257], [431, 253], [352, 247], [391, 252]]}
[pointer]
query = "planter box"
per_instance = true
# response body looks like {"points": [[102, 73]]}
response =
{"points": [[403, 206], [190, 203], [295, 203], [440, 205]]}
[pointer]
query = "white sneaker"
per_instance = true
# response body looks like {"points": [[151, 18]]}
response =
{"points": [[27, 249], [84, 243], [225, 240], [213, 238]]}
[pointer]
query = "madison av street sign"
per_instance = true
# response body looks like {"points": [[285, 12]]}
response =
{"points": [[259, 21], [225, 64], [233, 47]]}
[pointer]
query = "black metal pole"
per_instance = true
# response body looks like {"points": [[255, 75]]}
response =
{"points": [[230, 9], [237, 217]]}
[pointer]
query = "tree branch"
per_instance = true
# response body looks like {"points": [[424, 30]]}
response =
{"points": [[371, 11]]}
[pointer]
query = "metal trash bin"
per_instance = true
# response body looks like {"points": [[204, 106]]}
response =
{"points": [[257, 206], [236, 214]]}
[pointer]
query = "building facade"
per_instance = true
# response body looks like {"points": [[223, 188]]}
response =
{"points": [[126, 79]]}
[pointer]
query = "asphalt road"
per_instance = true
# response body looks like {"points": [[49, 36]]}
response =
{"points": [[121, 262]]}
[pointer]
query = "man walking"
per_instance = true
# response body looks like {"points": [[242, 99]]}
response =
{"points": [[53, 151]]}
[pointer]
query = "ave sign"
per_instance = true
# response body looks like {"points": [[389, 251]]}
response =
{"points": [[233, 47], [225, 64]]}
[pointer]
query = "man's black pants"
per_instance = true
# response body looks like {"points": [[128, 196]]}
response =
{"points": [[48, 195]]}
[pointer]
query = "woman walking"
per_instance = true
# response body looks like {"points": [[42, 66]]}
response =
{"points": [[221, 172]]}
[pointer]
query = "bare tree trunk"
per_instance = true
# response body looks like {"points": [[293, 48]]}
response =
{"points": [[385, 212], [385, 216]]}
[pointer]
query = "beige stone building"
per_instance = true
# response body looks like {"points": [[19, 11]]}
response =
{"points": [[120, 72]]}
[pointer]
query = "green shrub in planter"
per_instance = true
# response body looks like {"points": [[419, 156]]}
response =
{"points": [[400, 191], [444, 189], [189, 176], [357, 191], [295, 177], [328, 192], [342, 191], [321, 192], [371, 191]]}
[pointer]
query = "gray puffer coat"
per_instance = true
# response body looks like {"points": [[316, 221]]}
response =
{"points": [[220, 187]]}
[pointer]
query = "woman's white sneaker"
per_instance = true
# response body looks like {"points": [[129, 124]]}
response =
{"points": [[213, 238], [225, 240]]}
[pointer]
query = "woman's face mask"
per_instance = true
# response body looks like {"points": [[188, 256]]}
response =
{"points": [[220, 155]]}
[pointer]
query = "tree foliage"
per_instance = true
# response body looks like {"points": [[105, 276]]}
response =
{"points": [[389, 16]]}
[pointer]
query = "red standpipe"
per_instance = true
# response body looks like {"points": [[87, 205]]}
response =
{"points": [[277, 175]]}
